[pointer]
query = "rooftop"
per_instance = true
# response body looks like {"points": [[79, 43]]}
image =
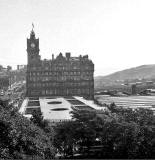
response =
{"points": [[129, 101], [57, 108]]}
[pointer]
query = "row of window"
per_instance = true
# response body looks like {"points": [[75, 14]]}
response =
{"points": [[60, 73], [60, 85], [62, 67], [60, 78], [64, 92]]}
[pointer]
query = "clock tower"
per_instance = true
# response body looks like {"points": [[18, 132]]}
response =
{"points": [[33, 49]]}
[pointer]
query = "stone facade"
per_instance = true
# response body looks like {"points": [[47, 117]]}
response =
{"points": [[60, 76]]}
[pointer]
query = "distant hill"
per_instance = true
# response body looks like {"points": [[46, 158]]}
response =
{"points": [[140, 72]]}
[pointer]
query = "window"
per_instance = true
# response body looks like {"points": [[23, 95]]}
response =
{"points": [[43, 92]]}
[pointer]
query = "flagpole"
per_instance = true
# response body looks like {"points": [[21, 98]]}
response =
{"points": [[32, 26]]}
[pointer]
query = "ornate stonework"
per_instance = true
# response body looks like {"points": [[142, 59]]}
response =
{"points": [[60, 76]]}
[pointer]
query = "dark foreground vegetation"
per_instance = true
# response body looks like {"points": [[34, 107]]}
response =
{"points": [[113, 133], [21, 138]]}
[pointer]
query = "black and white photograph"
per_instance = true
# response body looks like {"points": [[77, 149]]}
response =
{"points": [[77, 79]]}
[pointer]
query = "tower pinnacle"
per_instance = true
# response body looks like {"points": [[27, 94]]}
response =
{"points": [[32, 26], [32, 31]]}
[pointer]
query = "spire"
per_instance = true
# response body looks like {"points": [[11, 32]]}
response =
{"points": [[32, 26], [32, 35]]}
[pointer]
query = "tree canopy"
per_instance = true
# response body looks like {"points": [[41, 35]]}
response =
{"points": [[113, 133], [20, 138]]}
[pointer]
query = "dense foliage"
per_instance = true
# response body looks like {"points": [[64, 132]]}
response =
{"points": [[116, 132], [112, 133], [20, 138]]}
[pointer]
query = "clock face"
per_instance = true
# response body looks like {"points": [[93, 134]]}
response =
{"points": [[32, 45]]}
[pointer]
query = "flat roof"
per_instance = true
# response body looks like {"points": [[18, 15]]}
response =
{"points": [[56, 111], [129, 101], [48, 113]]}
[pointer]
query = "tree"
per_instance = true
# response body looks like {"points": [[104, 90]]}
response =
{"points": [[76, 135], [1, 67], [9, 68], [64, 139], [118, 132], [37, 118], [20, 138]]}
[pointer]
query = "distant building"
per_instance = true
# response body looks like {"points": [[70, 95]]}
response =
{"points": [[4, 78], [133, 89], [20, 67], [149, 82], [4, 82], [60, 76], [17, 75]]}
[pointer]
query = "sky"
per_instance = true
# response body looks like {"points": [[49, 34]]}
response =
{"points": [[116, 34]]}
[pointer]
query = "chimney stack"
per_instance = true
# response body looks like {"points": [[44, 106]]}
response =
{"points": [[52, 56], [68, 54]]}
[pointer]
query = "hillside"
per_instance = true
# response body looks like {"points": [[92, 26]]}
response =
{"points": [[140, 72]]}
